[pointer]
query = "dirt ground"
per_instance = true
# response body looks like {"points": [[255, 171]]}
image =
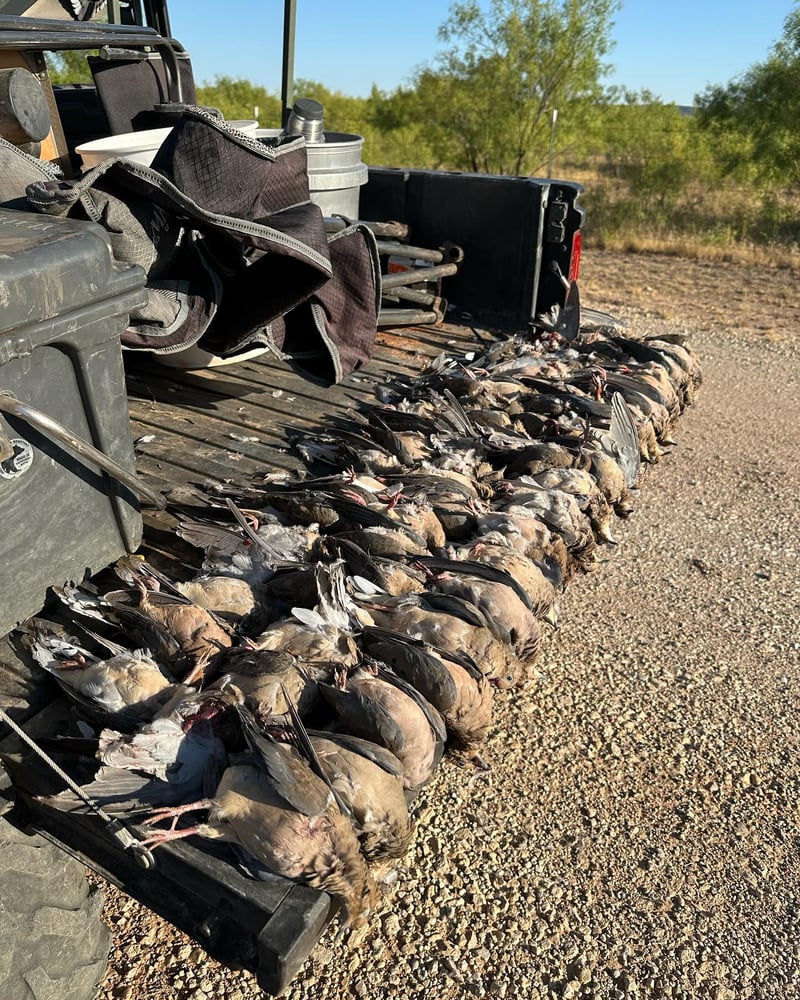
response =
{"points": [[729, 298], [636, 835]]}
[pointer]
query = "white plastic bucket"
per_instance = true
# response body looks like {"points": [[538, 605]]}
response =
{"points": [[141, 147]]}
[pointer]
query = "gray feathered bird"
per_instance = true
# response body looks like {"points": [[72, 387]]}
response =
{"points": [[164, 762]]}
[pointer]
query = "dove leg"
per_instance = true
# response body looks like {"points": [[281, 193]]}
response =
{"points": [[76, 663], [197, 673], [175, 812], [159, 837]]}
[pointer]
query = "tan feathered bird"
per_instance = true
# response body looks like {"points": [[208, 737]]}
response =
{"points": [[504, 602], [180, 635], [540, 581], [268, 680], [196, 633], [322, 636], [375, 705], [368, 778], [450, 680], [447, 622], [282, 816]]}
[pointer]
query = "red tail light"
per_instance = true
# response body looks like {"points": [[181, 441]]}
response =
{"points": [[575, 256]]}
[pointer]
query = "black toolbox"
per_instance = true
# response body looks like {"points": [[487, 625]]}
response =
{"points": [[64, 302]]}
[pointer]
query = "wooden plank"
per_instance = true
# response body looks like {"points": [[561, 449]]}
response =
{"points": [[199, 417]]}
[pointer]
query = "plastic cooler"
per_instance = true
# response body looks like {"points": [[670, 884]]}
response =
{"points": [[63, 305]]}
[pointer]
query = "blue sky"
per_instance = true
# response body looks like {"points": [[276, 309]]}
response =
{"points": [[672, 49]]}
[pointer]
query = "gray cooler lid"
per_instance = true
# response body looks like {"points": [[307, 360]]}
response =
{"points": [[49, 267]]}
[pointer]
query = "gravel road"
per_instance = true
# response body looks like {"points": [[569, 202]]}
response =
{"points": [[637, 833]]}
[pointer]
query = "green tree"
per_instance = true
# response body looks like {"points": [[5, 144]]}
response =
{"points": [[396, 130], [754, 118], [238, 99], [510, 64], [653, 147], [69, 66]]}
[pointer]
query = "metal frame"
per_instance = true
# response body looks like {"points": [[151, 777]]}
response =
{"points": [[287, 68], [28, 35]]}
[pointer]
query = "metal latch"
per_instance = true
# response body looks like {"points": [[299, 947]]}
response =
{"points": [[556, 229]]}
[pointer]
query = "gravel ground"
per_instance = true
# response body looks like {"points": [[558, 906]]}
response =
{"points": [[637, 832]]}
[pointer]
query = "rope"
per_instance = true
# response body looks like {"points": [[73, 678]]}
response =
{"points": [[115, 826]]}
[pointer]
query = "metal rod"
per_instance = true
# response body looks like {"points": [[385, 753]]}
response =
{"points": [[388, 230], [157, 16], [415, 295], [115, 826], [114, 12], [41, 32], [417, 275], [414, 253], [174, 82], [57, 432], [407, 317], [552, 148], [287, 68], [15, 33]]}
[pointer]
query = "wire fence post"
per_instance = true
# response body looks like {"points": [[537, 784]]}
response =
{"points": [[552, 149]]}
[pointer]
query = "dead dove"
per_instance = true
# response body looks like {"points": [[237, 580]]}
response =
{"points": [[447, 622], [503, 601], [322, 636], [271, 805], [449, 680], [129, 684], [181, 635], [163, 762], [368, 778], [375, 704], [265, 677]]}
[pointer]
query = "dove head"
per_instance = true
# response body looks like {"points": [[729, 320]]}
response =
{"points": [[206, 710], [346, 876]]}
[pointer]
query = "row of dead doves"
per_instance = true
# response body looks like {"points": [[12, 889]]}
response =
{"points": [[345, 626]]}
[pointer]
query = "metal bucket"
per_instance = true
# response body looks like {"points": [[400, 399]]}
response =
{"points": [[335, 171]]}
